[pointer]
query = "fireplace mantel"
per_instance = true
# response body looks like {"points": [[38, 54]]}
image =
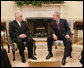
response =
{"points": [[44, 11]]}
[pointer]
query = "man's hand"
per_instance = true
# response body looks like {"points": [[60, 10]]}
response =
{"points": [[55, 37], [22, 36], [67, 36]]}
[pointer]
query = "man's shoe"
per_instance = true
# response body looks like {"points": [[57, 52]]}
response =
{"points": [[34, 58], [49, 56], [63, 61], [23, 60]]}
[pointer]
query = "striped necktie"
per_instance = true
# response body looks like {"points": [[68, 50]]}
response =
{"points": [[58, 25]]}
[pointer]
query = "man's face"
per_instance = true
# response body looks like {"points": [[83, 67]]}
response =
{"points": [[55, 17], [19, 18]]}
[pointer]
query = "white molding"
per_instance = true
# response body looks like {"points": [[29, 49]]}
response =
{"points": [[7, 18], [45, 11]]}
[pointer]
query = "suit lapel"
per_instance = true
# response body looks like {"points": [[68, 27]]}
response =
{"points": [[60, 24], [17, 26], [22, 25], [55, 24]]}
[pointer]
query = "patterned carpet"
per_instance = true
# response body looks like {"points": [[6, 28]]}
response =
{"points": [[42, 53]]}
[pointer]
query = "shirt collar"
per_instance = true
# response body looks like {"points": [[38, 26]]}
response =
{"points": [[17, 21]]}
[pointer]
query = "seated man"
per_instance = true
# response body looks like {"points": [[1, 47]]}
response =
{"points": [[60, 31], [19, 33]]}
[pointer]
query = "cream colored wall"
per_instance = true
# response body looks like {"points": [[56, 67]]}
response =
{"points": [[8, 9], [71, 10]]}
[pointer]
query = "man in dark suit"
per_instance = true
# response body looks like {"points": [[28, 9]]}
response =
{"points": [[60, 31], [19, 33]]}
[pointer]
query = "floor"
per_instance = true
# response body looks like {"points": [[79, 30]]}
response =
{"points": [[42, 52]]}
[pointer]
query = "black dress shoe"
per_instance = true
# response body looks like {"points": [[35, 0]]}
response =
{"points": [[23, 60], [49, 56], [34, 58], [63, 61]]}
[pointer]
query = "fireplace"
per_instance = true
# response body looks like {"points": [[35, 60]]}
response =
{"points": [[39, 27], [39, 18]]}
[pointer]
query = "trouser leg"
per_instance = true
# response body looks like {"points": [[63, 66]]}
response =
{"points": [[68, 47], [49, 43], [30, 46], [20, 47]]}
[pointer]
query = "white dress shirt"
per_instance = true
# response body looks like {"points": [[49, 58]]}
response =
{"points": [[19, 23], [58, 21]]}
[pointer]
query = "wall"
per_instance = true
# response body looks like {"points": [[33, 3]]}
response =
{"points": [[8, 9], [72, 10], [40, 12]]}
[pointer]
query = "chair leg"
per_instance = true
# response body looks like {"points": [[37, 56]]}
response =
{"points": [[55, 46], [13, 55], [35, 50], [8, 48]]}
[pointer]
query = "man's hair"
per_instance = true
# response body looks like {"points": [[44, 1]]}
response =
{"points": [[17, 13], [57, 13]]}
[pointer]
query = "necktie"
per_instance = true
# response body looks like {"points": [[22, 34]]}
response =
{"points": [[58, 25]]}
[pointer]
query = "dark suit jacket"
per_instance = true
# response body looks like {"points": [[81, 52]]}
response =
{"points": [[64, 28], [15, 30], [5, 62]]}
